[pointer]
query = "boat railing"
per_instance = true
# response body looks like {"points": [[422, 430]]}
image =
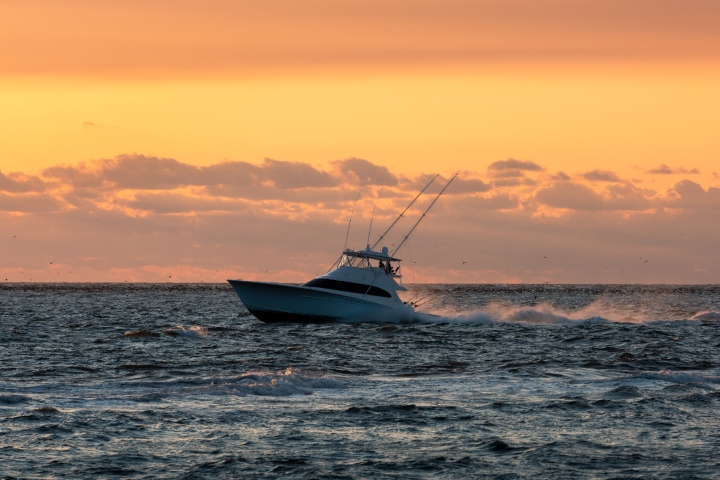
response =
{"points": [[360, 261]]}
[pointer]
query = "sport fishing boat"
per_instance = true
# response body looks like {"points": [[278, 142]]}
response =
{"points": [[362, 285]]}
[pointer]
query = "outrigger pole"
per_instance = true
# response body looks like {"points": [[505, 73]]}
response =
{"points": [[423, 215], [351, 215], [403, 213]]}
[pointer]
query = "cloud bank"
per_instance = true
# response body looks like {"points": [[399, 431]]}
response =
{"points": [[144, 218]]}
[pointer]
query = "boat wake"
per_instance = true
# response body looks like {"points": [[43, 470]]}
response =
{"points": [[528, 316], [707, 317], [549, 315]]}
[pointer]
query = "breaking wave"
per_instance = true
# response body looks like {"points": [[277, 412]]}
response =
{"points": [[193, 332], [140, 334], [291, 381], [684, 378]]}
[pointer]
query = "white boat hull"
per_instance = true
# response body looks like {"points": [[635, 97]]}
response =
{"points": [[273, 302]]}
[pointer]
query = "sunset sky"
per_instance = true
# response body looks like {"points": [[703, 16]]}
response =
{"points": [[191, 141]]}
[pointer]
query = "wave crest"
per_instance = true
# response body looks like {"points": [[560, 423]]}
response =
{"points": [[194, 332], [291, 381]]}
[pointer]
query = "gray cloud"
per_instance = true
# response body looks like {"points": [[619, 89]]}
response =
{"points": [[149, 173], [271, 192], [661, 170], [495, 202], [28, 203], [153, 173], [569, 195], [163, 203], [512, 164], [296, 175], [513, 181], [235, 174], [18, 182], [666, 170], [574, 196], [509, 174], [80, 176], [601, 176], [690, 195], [468, 185], [366, 172]]}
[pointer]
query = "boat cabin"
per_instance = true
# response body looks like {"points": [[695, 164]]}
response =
{"points": [[370, 259]]}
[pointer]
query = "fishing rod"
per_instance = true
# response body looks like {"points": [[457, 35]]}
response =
{"points": [[417, 303], [403, 213], [410, 301], [423, 215], [351, 215], [373, 215]]}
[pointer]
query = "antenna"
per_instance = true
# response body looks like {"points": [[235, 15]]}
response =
{"points": [[401, 215], [351, 215], [373, 215], [423, 216]]}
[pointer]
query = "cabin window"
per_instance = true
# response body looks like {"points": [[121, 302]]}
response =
{"points": [[347, 287]]}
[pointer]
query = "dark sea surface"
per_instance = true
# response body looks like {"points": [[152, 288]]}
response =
{"points": [[509, 381]]}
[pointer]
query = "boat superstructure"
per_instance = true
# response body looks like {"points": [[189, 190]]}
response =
{"points": [[362, 285]]}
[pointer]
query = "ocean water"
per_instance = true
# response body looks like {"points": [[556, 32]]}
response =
{"points": [[503, 381]]}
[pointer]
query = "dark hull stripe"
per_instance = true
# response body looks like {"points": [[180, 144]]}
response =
{"points": [[270, 316]]}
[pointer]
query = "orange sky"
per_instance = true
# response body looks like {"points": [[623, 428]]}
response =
{"points": [[136, 137]]}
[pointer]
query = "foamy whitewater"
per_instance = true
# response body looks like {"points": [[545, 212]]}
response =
{"points": [[487, 381]]}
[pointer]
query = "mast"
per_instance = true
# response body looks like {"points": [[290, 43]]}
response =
{"points": [[423, 215], [403, 213]]}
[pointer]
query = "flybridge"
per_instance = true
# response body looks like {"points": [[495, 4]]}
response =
{"points": [[361, 259], [371, 254]]}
